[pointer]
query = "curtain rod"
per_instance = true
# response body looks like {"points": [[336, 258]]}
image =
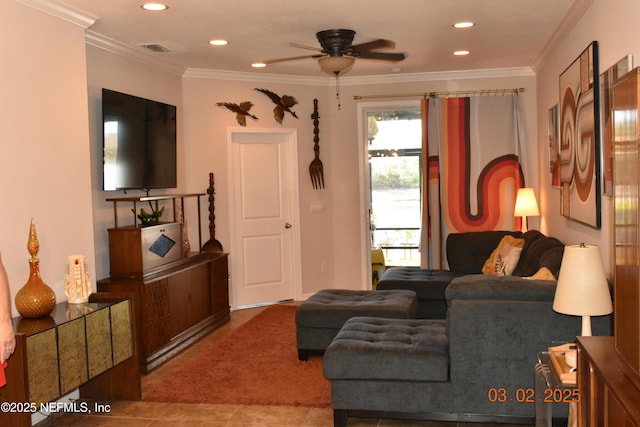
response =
{"points": [[446, 93]]}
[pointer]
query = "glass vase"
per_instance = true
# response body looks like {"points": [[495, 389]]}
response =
{"points": [[35, 299]]}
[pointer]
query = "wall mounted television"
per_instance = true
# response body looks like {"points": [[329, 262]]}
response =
{"points": [[139, 143]]}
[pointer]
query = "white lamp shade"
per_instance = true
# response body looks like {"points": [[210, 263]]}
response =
{"points": [[582, 288], [526, 204], [336, 64]]}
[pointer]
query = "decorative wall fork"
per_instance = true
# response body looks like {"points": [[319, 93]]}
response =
{"points": [[315, 168]]}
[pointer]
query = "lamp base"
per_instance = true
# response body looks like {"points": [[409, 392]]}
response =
{"points": [[586, 326]]}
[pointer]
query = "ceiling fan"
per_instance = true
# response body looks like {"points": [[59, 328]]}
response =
{"points": [[338, 53]]}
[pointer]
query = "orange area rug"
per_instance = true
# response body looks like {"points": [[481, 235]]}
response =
{"points": [[256, 364]]}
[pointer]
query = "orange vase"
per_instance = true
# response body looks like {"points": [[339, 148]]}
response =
{"points": [[35, 299]]}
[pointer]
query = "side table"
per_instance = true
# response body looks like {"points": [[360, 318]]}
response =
{"points": [[549, 390]]}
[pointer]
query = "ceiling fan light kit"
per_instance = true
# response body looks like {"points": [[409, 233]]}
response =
{"points": [[337, 53], [336, 64]]}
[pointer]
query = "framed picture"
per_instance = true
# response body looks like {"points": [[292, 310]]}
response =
{"points": [[580, 139], [554, 147], [607, 79]]}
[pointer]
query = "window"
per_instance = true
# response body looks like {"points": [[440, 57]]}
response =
{"points": [[395, 154]]}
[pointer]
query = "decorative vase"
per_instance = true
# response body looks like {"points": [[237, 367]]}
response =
{"points": [[186, 246], [184, 231], [35, 299]]}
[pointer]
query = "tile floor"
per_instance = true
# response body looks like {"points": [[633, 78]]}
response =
{"points": [[154, 414]]}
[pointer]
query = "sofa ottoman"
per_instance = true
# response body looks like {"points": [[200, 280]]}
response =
{"points": [[320, 317], [429, 286]]}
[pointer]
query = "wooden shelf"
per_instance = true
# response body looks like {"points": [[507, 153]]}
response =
{"points": [[148, 199]]}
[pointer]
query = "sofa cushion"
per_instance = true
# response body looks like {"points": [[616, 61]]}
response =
{"points": [[373, 348], [504, 258], [467, 252], [427, 284], [500, 288]]}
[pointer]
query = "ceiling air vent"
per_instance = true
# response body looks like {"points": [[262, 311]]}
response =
{"points": [[158, 48]]}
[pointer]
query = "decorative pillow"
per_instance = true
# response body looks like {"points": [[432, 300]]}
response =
{"points": [[543, 274], [505, 257]]}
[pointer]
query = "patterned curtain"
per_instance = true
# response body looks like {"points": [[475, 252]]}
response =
{"points": [[471, 169]]}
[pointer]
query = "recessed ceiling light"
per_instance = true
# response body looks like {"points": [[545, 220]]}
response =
{"points": [[154, 7], [258, 65], [461, 52], [218, 42], [464, 24]]}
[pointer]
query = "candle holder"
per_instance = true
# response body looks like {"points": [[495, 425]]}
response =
{"points": [[77, 287]]}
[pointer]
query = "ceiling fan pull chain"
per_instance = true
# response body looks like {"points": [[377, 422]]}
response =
{"points": [[338, 89]]}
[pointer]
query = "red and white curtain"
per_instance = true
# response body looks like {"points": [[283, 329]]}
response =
{"points": [[471, 169]]}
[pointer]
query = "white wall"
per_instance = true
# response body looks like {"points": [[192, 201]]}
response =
{"points": [[44, 138], [206, 151], [116, 72], [334, 236], [614, 26]]}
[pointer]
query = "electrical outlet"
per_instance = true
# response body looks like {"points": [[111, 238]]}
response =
{"points": [[324, 267]]}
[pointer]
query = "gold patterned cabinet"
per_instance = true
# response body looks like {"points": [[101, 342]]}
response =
{"points": [[88, 346], [175, 306]]}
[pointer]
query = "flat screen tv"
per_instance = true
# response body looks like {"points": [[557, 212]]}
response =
{"points": [[139, 143]]}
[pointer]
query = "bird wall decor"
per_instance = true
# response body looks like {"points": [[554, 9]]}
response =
{"points": [[283, 103], [241, 110]]}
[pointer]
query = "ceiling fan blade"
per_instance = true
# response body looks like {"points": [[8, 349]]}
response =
{"points": [[291, 58], [380, 56], [374, 45], [304, 46]]}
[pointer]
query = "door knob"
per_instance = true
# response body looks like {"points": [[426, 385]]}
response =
{"points": [[287, 225]]}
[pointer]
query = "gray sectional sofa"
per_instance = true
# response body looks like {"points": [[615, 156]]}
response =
{"points": [[466, 254], [489, 339]]}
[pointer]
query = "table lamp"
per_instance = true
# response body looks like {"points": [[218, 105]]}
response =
{"points": [[582, 289], [526, 205]]}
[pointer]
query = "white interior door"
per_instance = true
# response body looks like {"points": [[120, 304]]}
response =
{"points": [[265, 253]]}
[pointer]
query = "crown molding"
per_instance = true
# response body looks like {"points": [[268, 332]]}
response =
{"points": [[437, 76], [568, 23], [200, 73], [114, 46], [62, 11], [203, 73]]}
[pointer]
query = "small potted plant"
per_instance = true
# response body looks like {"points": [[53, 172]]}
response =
{"points": [[149, 218]]}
